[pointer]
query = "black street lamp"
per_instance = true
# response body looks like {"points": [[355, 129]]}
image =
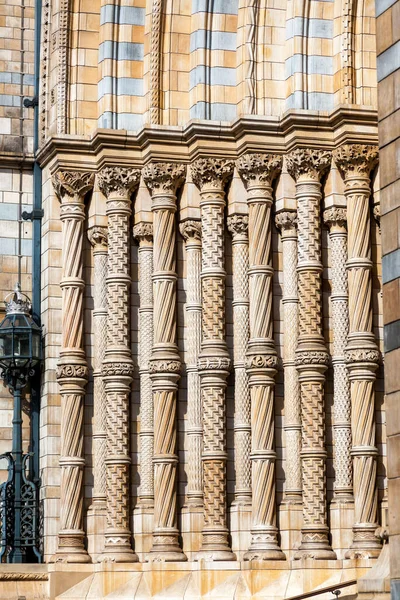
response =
{"points": [[20, 353]]}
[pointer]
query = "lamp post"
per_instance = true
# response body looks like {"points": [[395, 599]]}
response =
{"points": [[20, 353]]}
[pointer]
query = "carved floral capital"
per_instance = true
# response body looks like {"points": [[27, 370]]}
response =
{"points": [[259, 168], [164, 177], [98, 237], [377, 213], [355, 159], [238, 226], [286, 220], [118, 180], [213, 172], [308, 162], [143, 231], [72, 183], [335, 216], [190, 230]]}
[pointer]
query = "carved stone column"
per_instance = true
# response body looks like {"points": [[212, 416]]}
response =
{"points": [[238, 227], [335, 219], [117, 184], [362, 356], [287, 223], [143, 232], [306, 167], [72, 371], [258, 171], [191, 232], [210, 176], [163, 179]]}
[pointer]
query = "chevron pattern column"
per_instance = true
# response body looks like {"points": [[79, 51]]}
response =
{"points": [[306, 167], [258, 172], [117, 184], [72, 372], [143, 232], [355, 163], [163, 179], [210, 176], [287, 223]]}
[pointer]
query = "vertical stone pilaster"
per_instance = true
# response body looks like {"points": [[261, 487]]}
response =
{"points": [[362, 355], [306, 167], [72, 370], [117, 184], [143, 232], [191, 232], [210, 176], [287, 223], [258, 172], [163, 179], [97, 511]]}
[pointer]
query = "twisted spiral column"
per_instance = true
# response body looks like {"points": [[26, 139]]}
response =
{"points": [[143, 232], [306, 167], [72, 370], [98, 239], [163, 179], [210, 176], [287, 223], [117, 184], [335, 219], [258, 171], [362, 355], [238, 227], [191, 232]]}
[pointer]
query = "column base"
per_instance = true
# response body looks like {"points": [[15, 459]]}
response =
{"points": [[165, 548], [117, 548], [264, 546], [71, 548], [365, 543], [215, 546], [315, 545], [241, 519]]}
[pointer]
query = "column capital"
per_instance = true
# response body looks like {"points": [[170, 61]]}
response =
{"points": [[73, 184], [238, 226], [163, 178], [356, 159], [190, 230], [98, 237], [211, 172], [286, 220], [259, 169], [335, 217], [119, 181], [308, 163], [143, 232], [377, 213]]}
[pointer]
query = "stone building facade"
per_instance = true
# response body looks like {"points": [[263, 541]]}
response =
{"points": [[213, 415]]}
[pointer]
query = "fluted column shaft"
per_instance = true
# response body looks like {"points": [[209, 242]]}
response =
{"points": [[143, 232], [163, 179], [362, 356], [238, 227], [98, 239], [210, 176], [117, 184], [335, 218], [287, 223], [258, 172], [306, 167], [191, 232], [72, 371]]}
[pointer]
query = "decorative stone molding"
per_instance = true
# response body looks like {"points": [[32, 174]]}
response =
{"points": [[306, 166], [286, 222], [238, 227], [163, 179], [143, 232], [72, 370], [335, 219], [117, 184], [210, 176], [98, 239], [191, 232], [258, 171], [155, 56], [355, 163]]}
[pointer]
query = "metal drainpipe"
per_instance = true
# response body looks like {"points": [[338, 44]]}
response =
{"points": [[35, 216]]}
